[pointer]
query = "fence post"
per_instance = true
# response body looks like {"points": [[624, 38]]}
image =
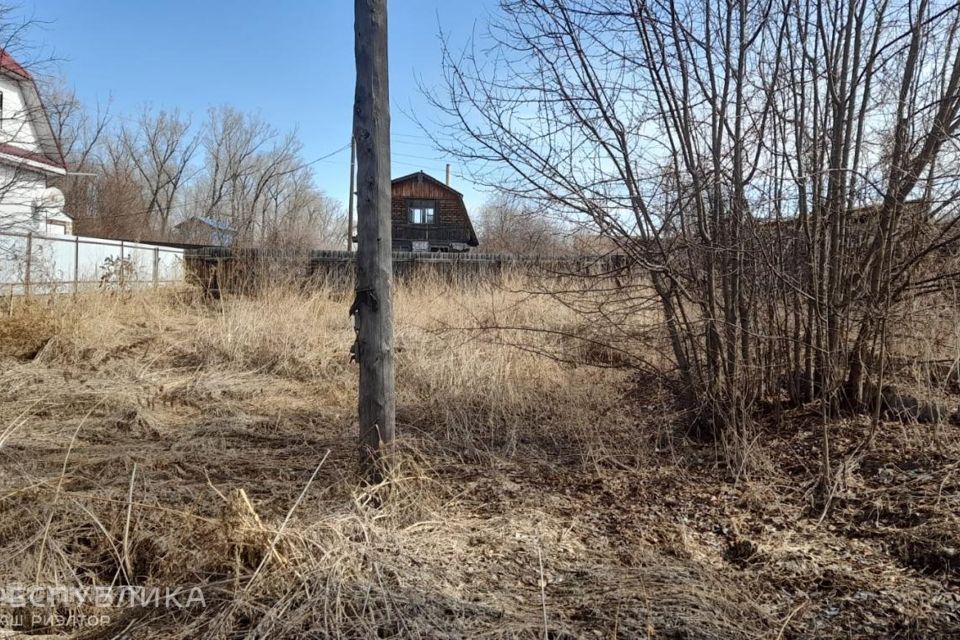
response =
{"points": [[156, 267], [122, 265], [76, 264], [26, 270]]}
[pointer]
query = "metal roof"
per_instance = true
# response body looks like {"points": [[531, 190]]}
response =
{"points": [[213, 223]]}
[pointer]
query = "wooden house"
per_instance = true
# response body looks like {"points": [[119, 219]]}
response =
{"points": [[428, 215]]}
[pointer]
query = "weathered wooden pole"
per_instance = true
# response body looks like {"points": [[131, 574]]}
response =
{"points": [[76, 264], [29, 266], [353, 189], [373, 304]]}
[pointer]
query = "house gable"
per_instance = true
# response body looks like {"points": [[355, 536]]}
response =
{"points": [[26, 138], [450, 214]]}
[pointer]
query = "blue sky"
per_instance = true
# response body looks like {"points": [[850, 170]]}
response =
{"points": [[289, 60]]}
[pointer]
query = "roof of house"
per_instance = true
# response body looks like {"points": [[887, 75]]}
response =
{"points": [[421, 175], [7, 63], [26, 154]]}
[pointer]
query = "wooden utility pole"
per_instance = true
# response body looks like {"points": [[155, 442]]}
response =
{"points": [[353, 189], [373, 304]]}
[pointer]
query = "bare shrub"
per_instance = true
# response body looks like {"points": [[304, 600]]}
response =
{"points": [[783, 173]]}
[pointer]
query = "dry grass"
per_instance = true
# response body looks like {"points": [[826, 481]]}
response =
{"points": [[163, 440]]}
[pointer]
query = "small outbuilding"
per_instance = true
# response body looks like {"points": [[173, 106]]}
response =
{"points": [[205, 231], [428, 215]]}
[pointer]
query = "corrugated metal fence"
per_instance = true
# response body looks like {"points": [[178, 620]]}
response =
{"points": [[37, 263]]}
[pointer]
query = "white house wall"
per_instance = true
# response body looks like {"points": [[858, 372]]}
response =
{"points": [[17, 127], [20, 189]]}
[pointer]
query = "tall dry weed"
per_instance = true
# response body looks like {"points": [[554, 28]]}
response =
{"points": [[159, 438]]}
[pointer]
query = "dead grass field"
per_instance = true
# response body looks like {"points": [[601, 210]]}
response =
{"points": [[163, 440]]}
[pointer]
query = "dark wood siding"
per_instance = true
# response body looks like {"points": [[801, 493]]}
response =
{"points": [[452, 224]]}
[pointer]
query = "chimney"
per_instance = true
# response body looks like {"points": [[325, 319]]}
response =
{"points": [[448, 174]]}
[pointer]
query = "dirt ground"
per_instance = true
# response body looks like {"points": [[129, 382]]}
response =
{"points": [[169, 441]]}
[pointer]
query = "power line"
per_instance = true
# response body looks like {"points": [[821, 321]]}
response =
{"points": [[416, 157], [419, 136], [329, 155]]}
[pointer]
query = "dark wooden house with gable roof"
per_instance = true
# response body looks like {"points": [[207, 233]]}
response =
{"points": [[429, 215]]}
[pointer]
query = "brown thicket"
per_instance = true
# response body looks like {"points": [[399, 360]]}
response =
{"points": [[784, 172], [506, 225], [136, 178]]}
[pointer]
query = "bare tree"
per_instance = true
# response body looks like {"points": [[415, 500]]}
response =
{"points": [[507, 225], [297, 214], [80, 134], [160, 147], [781, 170], [119, 209], [136, 180], [245, 158]]}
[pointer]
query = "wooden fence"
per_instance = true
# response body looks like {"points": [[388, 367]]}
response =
{"points": [[220, 269]]}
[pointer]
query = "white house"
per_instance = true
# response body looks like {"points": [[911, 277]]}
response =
{"points": [[38, 251], [29, 156]]}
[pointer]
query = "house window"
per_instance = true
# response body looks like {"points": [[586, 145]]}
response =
{"points": [[1, 107], [422, 211]]}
